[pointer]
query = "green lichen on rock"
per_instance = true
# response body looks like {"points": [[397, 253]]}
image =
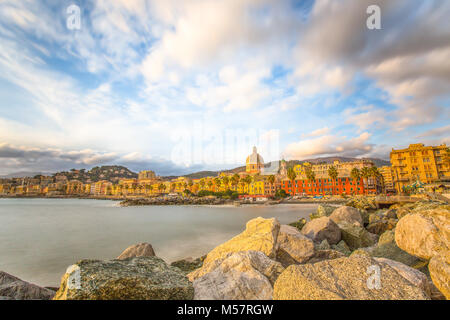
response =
{"points": [[188, 265], [141, 278], [298, 224]]}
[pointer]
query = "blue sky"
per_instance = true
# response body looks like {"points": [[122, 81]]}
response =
{"points": [[180, 86]]}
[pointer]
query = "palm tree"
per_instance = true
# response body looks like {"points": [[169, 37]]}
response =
{"points": [[202, 183], [291, 174], [235, 180], [190, 184], [355, 175], [217, 183], [365, 174], [225, 181], [374, 173], [333, 173], [161, 187], [210, 184], [310, 175], [271, 180]]}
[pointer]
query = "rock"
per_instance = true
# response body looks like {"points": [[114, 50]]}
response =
{"points": [[322, 229], [293, 247], [141, 278], [362, 202], [391, 214], [137, 250], [361, 252], [344, 278], [378, 227], [414, 276], [260, 235], [424, 234], [325, 210], [346, 214], [321, 255], [188, 265], [439, 267], [298, 224], [373, 217], [12, 288], [246, 275], [324, 245], [387, 248], [356, 236], [322, 211], [342, 247]]}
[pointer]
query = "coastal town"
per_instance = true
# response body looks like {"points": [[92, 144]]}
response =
{"points": [[417, 168]]}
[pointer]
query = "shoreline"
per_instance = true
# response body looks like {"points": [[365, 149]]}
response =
{"points": [[180, 201]]}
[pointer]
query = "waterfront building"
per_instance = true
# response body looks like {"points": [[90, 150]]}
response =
{"points": [[388, 178], [426, 164], [254, 164]]}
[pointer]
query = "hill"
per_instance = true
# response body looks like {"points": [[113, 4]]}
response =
{"points": [[110, 173]]}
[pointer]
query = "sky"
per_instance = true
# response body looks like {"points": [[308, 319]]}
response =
{"points": [[179, 86]]}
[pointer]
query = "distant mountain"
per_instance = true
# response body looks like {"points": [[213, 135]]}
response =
{"points": [[24, 174]]}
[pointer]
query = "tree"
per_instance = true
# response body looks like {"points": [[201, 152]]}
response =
{"points": [[217, 183], [291, 174], [161, 187], [365, 174], [355, 174], [190, 183], [210, 184], [333, 173], [172, 186], [202, 183], [235, 180], [271, 180], [225, 181], [247, 181]]}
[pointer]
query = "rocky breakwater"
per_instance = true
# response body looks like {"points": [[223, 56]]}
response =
{"points": [[179, 200], [13, 288]]}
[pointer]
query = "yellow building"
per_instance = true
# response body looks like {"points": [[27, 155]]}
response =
{"points": [[254, 164], [418, 162], [388, 178]]}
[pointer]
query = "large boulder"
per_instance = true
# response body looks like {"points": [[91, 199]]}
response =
{"points": [[380, 226], [342, 247], [137, 250], [417, 278], [424, 234], [439, 267], [356, 236], [322, 229], [345, 278], [293, 247], [12, 288], [142, 278], [260, 235], [322, 211], [245, 275], [346, 214]]}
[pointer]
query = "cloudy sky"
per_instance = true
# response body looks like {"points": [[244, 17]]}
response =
{"points": [[183, 85]]}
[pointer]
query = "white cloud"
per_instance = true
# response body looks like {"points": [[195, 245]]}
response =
{"points": [[328, 145]]}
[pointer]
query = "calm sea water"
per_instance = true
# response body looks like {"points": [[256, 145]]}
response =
{"points": [[40, 238]]}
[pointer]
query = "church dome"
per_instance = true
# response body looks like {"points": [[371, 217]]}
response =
{"points": [[254, 158]]}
